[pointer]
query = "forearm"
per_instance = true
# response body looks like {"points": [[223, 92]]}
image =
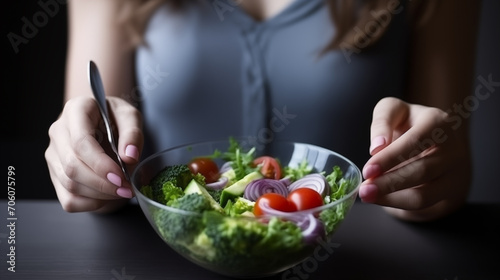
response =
{"points": [[422, 170], [442, 67], [442, 58]]}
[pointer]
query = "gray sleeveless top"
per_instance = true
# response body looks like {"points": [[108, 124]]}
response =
{"points": [[210, 71]]}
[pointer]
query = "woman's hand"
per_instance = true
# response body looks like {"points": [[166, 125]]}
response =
{"points": [[420, 164], [84, 176]]}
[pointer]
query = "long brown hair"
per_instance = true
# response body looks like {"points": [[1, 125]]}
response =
{"points": [[371, 19], [350, 17]]}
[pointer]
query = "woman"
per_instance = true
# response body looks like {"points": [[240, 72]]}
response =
{"points": [[346, 75]]}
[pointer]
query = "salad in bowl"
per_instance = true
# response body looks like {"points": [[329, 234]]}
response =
{"points": [[242, 211]]}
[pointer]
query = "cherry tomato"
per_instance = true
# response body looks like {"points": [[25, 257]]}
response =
{"points": [[270, 167], [305, 198], [206, 167], [274, 201]]}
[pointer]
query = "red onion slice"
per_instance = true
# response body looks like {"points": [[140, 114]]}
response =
{"points": [[286, 181], [311, 227], [314, 181], [269, 211], [257, 188], [219, 184], [225, 167]]}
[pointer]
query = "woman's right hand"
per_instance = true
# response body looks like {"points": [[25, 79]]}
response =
{"points": [[84, 176]]}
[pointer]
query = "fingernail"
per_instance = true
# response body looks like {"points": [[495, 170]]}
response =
{"points": [[124, 192], [115, 179], [370, 171], [132, 152], [376, 143], [368, 193]]}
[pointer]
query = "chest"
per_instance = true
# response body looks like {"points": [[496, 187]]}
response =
{"points": [[241, 74]]}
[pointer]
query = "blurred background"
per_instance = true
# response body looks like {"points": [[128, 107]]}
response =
{"points": [[32, 90]]}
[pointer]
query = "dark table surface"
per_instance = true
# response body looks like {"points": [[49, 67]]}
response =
{"points": [[53, 244]]}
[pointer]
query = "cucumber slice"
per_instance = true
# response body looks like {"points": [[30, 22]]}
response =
{"points": [[237, 189], [195, 187]]}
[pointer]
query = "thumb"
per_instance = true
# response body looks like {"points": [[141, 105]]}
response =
{"points": [[389, 114], [128, 121]]}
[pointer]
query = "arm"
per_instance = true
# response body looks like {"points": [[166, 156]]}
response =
{"points": [[84, 176], [443, 55], [95, 34], [420, 165]]}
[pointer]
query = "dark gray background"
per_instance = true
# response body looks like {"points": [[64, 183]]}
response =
{"points": [[32, 89]]}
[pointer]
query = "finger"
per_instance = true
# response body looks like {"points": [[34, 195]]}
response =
{"points": [[69, 202], [98, 170], [75, 203], [426, 132], [90, 189], [389, 114], [74, 175], [417, 198], [447, 187], [73, 185], [128, 122], [414, 173], [85, 143]]}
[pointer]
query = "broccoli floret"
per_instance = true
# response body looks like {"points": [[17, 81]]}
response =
{"points": [[215, 194], [182, 228], [178, 175], [147, 191], [202, 248], [171, 193], [231, 236], [240, 206], [238, 242]]}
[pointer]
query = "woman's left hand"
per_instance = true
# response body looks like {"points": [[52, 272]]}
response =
{"points": [[420, 165]]}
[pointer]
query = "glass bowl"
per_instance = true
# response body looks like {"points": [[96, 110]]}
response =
{"points": [[248, 255]]}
